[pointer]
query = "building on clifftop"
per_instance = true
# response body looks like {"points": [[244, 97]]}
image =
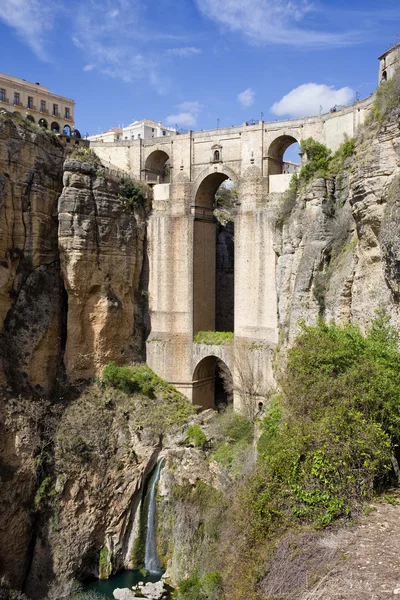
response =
{"points": [[137, 130], [388, 63], [37, 104]]}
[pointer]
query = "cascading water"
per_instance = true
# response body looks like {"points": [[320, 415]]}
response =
{"points": [[129, 578], [151, 561]]}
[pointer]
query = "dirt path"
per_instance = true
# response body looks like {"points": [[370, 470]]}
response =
{"points": [[367, 560]]}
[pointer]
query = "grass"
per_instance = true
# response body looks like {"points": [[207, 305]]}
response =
{"points": [[214, 338]]}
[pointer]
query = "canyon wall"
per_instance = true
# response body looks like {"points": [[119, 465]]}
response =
{"points": [[338, 250]]}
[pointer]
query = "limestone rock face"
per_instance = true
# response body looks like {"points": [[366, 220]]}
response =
{"points": [[339, 251], [101, 244], [19, 441], [31, 296]]}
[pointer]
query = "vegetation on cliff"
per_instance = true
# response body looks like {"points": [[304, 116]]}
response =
{"points": [[327, 445], [321, 163]]}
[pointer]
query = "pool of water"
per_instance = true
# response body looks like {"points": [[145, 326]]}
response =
{"points": [[124, 579]]}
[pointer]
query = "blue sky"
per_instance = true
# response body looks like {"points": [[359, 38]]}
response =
{"points": [[191, 62]]}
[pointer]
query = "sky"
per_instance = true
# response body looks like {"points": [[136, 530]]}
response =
{"points": [[198, 64]]}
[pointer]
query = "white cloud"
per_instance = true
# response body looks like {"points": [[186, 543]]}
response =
{"points": [[307, 99], [88, 67], [272, 21], [184, 52], [31, 19], [187, 117], [246, 98], [193, 107]]}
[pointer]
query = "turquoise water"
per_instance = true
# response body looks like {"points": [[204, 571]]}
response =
{"points": [[124, 579]]}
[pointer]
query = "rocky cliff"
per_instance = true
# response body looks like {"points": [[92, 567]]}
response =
{"points": [[72, 299], [72, 254], [338, 250]]}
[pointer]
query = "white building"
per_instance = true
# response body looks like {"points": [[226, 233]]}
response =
{"points": [[113, 135], [135, 131], [145, 129]]}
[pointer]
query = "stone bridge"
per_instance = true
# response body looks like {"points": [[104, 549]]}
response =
{"points": [[188, 288]]}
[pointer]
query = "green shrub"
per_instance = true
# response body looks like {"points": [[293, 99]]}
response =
{"points": [[218, 338], [233, 435], [387, 101], [45, 493], [195, 436], [327, 441], [85, 155], [105, 566], [318, 160], [162, 406], [288, 202], [131, 380], [195, 587], [132, 195]]}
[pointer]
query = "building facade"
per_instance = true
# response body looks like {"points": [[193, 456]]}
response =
{"points": [[388, 63], [137, 130], [37, 104]]}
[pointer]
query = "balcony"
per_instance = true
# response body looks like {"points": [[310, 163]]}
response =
{"points": [[17, 103], [5, 100], [68, 118], [56, 113], [31, 107], [44, 110]]}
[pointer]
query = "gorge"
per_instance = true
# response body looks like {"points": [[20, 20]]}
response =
{"points": [[84, 421]]}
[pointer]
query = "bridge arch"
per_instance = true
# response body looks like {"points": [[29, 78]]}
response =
{"points": [[157, 167], [212, 383], [207, 183], [213, 278], [276, 151]]}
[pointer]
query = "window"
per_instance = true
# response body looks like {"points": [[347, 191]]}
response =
{"points": [[216, 156], [164, 133], [2, 94], [138, 135], [16, 98], [55, 110], [30, 102], [42, 105], [152, 131], [67, 113]]}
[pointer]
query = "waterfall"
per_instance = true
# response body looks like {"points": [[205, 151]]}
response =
{"points": [[151, 561]]}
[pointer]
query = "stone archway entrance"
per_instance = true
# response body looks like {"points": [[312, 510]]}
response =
{"points": [[212, 384]]}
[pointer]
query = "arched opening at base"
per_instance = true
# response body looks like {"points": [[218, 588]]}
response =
{"points": [[212, 384]]}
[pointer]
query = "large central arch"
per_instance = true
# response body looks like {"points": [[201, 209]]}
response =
{"points": [[204, 249]]}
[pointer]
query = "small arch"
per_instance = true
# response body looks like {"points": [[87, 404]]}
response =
{"points": [[384, 76], [42, 123], [67, 130], [76, 134], [217, 156], [30, 118], [157, 167], [55, 127], [276, 152], [212, 384]]}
